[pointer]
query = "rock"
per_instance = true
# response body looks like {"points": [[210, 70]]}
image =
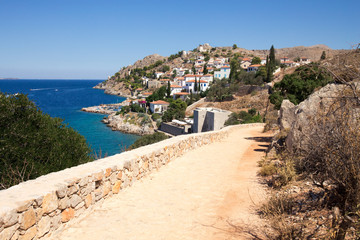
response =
{"points": [[9, 218], [287, 114], [75, 200], [56, 221], [29, 234], [64, 203], [88, 200], [8, 232], [116, 187], [50, 202], [298, 119], [44, 226], [73, 189], [27, 219], [67, 215], [61, 191]]}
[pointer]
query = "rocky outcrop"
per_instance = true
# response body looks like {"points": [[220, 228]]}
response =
{"points": [[298, 120], [125, 124]]}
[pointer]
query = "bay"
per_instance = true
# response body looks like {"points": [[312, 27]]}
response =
{"points": [[64, 99]]}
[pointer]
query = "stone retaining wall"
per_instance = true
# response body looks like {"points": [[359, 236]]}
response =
{"points": [[36, 208]]}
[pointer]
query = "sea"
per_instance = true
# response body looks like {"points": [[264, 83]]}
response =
{"points": [[64, 99]]}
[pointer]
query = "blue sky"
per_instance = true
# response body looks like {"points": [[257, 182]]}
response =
{"points": [[91, 39]]}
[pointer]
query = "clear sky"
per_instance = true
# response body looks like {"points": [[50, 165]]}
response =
{"points": [[91, 39]]}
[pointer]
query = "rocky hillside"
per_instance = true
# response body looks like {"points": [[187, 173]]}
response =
{"points": [[127, 79]]}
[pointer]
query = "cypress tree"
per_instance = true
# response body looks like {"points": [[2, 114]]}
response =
{"points": [[323, 55], [168, 90], [205, 69], [195, 87]]}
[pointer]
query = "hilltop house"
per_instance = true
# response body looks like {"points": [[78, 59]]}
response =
{"points": [[223, 73], [158, 74], [253, 68], [159, 106], [245, 63], [304, 60], [208, 77]]}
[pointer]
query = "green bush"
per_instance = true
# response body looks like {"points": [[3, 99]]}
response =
{"points": [[33, 144], [148, 139], [299, 85]]}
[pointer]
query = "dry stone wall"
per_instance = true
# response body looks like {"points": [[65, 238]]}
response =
{"points": [[36, 208]]}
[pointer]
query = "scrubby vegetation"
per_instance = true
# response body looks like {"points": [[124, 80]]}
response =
{"points": [[33, 144], [176, 110], [251, 116], [299, 85], [148, 139]]}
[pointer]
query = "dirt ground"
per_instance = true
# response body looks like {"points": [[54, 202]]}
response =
{"points": [[208, 193]]}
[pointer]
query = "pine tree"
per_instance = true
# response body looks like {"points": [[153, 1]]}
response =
{"points": [[205, 69], [323, 55]]}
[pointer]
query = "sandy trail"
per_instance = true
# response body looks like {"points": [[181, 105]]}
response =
{"points": [[208, 193]]}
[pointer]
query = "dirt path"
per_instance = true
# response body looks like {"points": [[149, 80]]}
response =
{"points": [[208, 193]]}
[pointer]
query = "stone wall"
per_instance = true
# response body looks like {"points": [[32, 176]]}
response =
{"points": [[36, 208]]}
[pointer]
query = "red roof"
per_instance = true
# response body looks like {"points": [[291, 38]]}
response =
{"points": [[255, 65], [189, 75], [201, 81], [181, 93], [160, 102], [175, 86]]}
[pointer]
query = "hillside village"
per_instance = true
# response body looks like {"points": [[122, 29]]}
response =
{"points": [[188, 76]]}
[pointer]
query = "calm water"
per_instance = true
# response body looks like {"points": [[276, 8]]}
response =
{"points": [[64, 99]]}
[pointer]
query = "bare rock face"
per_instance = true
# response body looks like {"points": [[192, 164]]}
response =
{"points": [[287, 115], [298, 120], [120, 123]]}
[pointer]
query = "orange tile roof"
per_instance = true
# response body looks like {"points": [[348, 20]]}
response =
{"points": [[146, 93], [164, 80], [175, 86], [255, 65], [246, 59], [189, 75], [139, 89], [181, 93], [201, 81], [160, 102]]}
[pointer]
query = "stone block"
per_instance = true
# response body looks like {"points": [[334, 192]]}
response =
{"points": [[119, 175], [88, 200], [80, 205], [50, 202], [107, 188], [29, 234], [72, 189], [27, 219], [113, 178], [84, 181], [39, 200], [64, 203], [107, 172], [43, 226], [55, 222], [61, 190], [98, 176], [9, 232], [9, 218], [75, 200], [24, 205], [67, 215], [116, 187]]}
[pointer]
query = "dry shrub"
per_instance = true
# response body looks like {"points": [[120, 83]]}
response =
{"points": [[332, 153], [278, 204]]}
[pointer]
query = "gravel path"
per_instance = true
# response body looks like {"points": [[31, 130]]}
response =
{"points": [[208, 193]]}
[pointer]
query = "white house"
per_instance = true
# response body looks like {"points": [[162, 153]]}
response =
{"points": [[189, 77], [190, 85], [199, 69], [223, 73], [158, 74], [175, 89], [208, 77], [199, 62], [284, 59], [180, 81], [181, 95], [305, 60], [159, 106], [263, 61], [253, 68]]}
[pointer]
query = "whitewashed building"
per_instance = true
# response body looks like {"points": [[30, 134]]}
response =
{"points": [[159, 106], [223, 73]]}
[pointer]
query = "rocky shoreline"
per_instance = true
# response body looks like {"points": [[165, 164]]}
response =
{"points": [[119, 122]]}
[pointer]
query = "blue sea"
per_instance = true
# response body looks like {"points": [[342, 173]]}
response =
{"points": [[64, 99]]}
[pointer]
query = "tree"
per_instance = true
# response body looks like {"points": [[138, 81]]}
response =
{"points": [[270, 64], [323, 55], [234, 46], [235, 67], [193, 69], [256, 60], [205, 69], [165, 68], [195, 86], [176, 110], [299, 85], [168, 90], [33, 144]]}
